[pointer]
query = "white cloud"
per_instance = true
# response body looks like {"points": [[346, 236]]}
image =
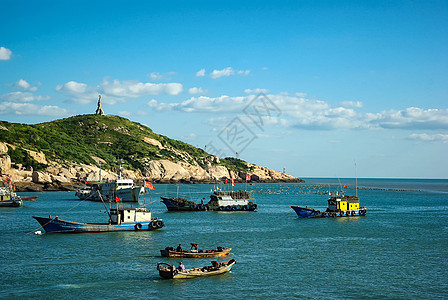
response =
{"points": [[5, 53], [256, 91], [352, 104], [116, 90], [24, 85], [220, 73], [200, 73], [311, 114], [229, 71], [135, 89], [429, 137], [243, 72], [155, 76], [196, 90], [22, 97], [32, 109], [410, 118]]}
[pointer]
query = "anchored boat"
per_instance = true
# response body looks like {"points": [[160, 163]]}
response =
{"points": [[8, 196], [194, 252], [171, 272], [123, 189], [219, 201], [339, 205], [120, 219]]}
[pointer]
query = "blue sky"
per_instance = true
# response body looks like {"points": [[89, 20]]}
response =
{"points": [[310, 86]]}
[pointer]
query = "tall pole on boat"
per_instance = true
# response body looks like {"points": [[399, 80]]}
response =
{"points": [[356, 181], [107, 210]]}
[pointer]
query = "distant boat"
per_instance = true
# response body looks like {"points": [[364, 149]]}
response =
{"points": [[9, 198], [219, 201], [120, 219], [339, 205], [123, 189], [171, 272], [171, 252]]}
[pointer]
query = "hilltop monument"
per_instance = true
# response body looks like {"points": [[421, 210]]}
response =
{"points": [[99, 110]]}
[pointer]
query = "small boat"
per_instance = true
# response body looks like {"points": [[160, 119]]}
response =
{"points": [[219, 201], [194, 252], [171, 272], [339, 205]]}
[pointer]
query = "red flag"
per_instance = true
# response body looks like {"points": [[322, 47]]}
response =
{"points": [[345, 186], [149, 185], [117, 199], [247, 177], [233, 182], [227, 181]]}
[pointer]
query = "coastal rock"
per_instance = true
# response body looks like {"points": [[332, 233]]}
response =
{"points": [[218, 172], [5, 164], [3, 148], [41, 177], [165, 170]]}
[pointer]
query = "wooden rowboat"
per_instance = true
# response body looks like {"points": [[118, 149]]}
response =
{"points": [[170, 252], [171, 272]]}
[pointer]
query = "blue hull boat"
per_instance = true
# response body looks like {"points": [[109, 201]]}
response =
{"points": [[339, 205], [305, 212], [128, 219]]}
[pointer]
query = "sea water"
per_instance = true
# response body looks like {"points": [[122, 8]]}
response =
{"points": [[398, 251]]}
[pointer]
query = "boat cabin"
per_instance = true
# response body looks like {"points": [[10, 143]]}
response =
{"points": [[230, 198], [343, 203], [130, 215]]}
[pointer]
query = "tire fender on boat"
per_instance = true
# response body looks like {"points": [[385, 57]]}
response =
{"points": [[138, 226], [159, 224]]}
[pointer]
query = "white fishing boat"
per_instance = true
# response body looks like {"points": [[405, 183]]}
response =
{"points": [[120, 189]]}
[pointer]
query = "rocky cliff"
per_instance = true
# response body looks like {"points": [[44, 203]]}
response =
{"points": [[63, 154]]}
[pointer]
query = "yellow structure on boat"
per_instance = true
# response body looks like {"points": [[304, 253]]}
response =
{"points": [[343, 203]]}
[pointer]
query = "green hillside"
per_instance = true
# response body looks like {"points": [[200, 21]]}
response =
{"points": [[79, 138]]}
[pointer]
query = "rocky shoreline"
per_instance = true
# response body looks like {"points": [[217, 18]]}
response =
{"points": [[68, 176]]}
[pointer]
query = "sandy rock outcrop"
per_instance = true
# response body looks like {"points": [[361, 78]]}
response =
{"points": [[165, 170], [41, 177], [3, 148]]}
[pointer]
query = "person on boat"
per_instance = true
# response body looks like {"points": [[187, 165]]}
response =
{"points": [[181, 268], [179, 248], [194, 247]]}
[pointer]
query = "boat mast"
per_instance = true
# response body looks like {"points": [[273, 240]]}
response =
{"points": [[356, 182], [107, 210]]}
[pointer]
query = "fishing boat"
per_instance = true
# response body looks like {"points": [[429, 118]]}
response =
{"points": [[123, 189], [339, 205], [219, 201], [194, 252], [9, 198], [171, 272], [120, 219]]}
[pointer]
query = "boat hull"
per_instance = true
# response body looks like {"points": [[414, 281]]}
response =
{"points": [[195, 272], [172, 205], [305, 212], [55, 225], [187, 254], [11, 203]]}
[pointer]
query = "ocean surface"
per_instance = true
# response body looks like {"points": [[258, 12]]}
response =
{"points": [[398, 251]]}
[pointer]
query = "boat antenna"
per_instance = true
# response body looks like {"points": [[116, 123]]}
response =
{"points": [[356, 181], [120, 168], [340, 185]]}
